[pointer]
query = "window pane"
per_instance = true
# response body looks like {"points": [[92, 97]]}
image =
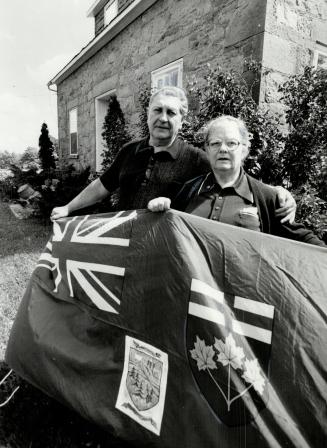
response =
{"points": [[174, 78], [73, 143], [73, 130], [110, 12], [73, 120], [168, 75], [322, 61]]}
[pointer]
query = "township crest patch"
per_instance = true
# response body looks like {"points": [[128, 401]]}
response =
{"points": [[143, 384], [228, 344]]}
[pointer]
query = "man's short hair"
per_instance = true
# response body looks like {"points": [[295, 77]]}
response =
{"points": [[245, 134], [176, 92]]}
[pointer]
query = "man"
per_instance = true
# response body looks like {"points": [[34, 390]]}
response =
{"points": [[227, 193], [156, 166]]}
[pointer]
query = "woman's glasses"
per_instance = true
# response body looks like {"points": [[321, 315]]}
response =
{"points": [[231, 145]]}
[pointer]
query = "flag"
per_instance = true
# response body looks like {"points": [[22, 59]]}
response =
{"points": [[171, 330]]}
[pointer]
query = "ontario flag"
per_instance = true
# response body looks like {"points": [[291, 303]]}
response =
{"points": [[175, 331]]}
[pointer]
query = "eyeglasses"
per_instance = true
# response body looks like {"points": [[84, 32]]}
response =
{"points": [[231, 145]]}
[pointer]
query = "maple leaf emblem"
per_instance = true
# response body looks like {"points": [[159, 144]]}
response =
{"points": [[252, 375], [203, 354], [229, 352]]}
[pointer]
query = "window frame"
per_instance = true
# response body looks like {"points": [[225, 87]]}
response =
{"points": [[106, 7], [165, 70], [319, 50], [73, 109]]}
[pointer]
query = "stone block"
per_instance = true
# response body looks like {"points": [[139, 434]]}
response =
{"points": [[279, 54]]}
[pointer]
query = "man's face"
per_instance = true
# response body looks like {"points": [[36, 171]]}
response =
{"points": [[164, 119], [224, 147]]}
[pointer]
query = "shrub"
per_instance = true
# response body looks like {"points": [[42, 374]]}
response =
{"points": [[305, 154], [46, 155], [114, 133]]}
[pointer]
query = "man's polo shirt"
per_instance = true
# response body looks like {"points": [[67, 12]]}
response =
{"points": [[232, 205], [141, 174]]}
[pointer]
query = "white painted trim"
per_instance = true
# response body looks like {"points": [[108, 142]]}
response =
{"points": [[178, 64], [125, 18]]}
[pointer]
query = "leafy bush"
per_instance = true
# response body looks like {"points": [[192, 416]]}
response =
{"points": [[305, 154]]}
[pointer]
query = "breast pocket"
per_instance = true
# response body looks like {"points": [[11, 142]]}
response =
{"points": [[249, 218]]}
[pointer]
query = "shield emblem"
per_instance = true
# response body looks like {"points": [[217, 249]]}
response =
{"points": [[228, 344], [143, 379]]}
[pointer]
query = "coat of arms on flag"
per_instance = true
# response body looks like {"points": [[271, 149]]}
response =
{"points": [[229, 340], [143, 384]]}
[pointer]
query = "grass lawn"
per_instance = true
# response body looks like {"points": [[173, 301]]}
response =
{"points": [[31, 419]]}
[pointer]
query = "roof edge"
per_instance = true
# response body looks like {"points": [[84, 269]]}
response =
{"points": [[122, 21]]}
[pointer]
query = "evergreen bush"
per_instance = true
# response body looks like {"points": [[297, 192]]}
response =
{"points": [[46, 150], [115, 133]]}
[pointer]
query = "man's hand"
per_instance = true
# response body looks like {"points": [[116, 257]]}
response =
{"points": [[59, 212], [159, 204], [287, 210]]}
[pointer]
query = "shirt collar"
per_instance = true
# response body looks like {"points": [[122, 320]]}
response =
{"points": [[241, 186], [173, 150]]}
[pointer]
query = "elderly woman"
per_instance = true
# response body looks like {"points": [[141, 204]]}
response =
{"points": [[227, 193], [156, 166]]}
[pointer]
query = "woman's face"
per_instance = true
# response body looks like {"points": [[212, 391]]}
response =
{"points": [[225, 148], [164, 119]]}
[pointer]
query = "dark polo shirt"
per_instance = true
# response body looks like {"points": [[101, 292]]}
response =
{"points": [[232, 205], [142, 175]]}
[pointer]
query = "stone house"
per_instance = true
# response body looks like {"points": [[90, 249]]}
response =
{"points": [[160, 42]]}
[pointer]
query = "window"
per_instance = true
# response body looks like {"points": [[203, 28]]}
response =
{"points": [[168, 75], [73, 131], [110, 11], [320, 57]]}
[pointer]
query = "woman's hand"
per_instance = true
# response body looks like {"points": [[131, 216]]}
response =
{"points": [[159, 204], [287, 210], [59, 212]]}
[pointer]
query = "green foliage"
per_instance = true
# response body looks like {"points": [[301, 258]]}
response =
{"points": [[229, 93], [62, 188], [114, 133], [30, 159], [7, 158], [144, 98], [305, 155], [46, 150]]}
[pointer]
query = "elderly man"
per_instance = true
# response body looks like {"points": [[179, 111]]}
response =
{"points": [[227, 193], [156, 166]]}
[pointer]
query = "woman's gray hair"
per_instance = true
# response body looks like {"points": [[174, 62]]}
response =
{"points": [[245, 134], [176, 92]]}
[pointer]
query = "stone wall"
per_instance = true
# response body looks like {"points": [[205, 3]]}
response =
{"points": [[293, 28], [217, 32]]}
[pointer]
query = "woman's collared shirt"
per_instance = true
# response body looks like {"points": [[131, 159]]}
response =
{"points": [[232, 205]]}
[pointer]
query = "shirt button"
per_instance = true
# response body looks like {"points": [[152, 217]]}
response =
{"points": [[216, 208], [220, 197], [214, 218]]}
